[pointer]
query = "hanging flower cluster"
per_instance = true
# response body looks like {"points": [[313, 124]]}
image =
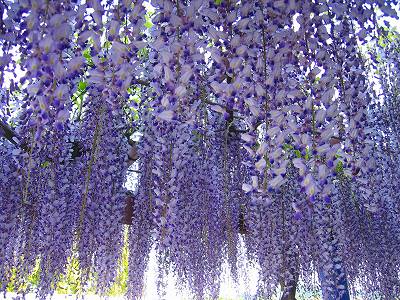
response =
{"points": [[258, 121]]}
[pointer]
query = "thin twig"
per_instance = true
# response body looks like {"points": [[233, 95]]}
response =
{"points": [[7, 132]]}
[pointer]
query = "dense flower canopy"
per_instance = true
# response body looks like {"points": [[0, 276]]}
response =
{"points": [[272, 122]]}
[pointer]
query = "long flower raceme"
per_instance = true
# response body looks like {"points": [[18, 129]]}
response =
{"points": [[273, 123]]}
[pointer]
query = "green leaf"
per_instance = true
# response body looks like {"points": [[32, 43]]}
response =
{"points": [[148, 23], [297, 153], [287, 147], [143, 53], [45, 164], [86, 54], [107, 44], [82, 86], [308, 154], [339, 167], [34, 277]]}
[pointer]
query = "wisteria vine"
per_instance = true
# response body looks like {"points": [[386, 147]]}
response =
{"points": [[275, 123]]}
